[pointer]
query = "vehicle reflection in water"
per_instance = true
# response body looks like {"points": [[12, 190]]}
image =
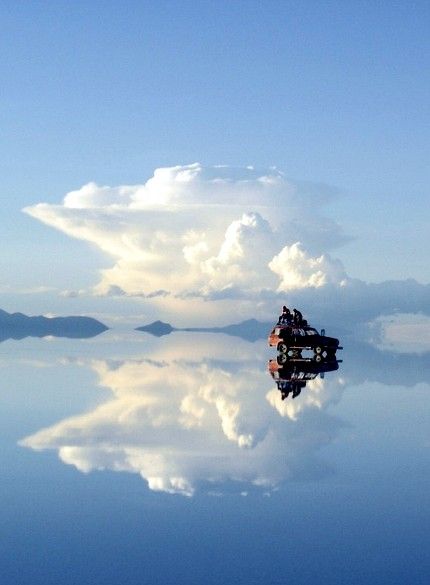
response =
{"points": [[200, 418], [292, 374]]}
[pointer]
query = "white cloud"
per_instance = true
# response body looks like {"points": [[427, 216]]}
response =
{"points": [[297, 269], [241, 238], [195, 231], [242, 258]]}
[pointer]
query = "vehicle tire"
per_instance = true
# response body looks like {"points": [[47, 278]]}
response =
{"points": [[318, 358], [282, 347], [282, 358], [318, 349]]}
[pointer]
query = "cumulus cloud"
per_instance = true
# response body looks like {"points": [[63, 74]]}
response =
{"points": [[192, 234], [297, 269], [184, 424], [191, 231]]}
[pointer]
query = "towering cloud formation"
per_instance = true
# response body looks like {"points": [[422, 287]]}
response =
{"points": [[192, 234], [197, 231]]}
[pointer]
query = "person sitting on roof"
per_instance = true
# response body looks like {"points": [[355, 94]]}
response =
{"points": [[297, 318], [286, 316]]}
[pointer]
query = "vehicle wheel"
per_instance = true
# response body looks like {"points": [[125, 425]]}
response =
{"points": [[282, 347], [318, 349], [318, 358], [282, 358]]}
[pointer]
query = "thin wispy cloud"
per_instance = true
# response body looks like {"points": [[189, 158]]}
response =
{"points": [[30, 290]]}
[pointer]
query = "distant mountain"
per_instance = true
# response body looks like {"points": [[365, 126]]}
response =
{"points": [[250, 330], [18, 326]]}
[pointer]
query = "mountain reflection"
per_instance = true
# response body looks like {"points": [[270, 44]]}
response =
{"points": [[184, 421]]}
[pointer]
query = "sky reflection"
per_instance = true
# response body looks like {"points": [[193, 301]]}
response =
{"points": [[204, 418], [346, 464]]}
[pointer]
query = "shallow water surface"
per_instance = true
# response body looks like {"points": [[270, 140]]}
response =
{"points": [[128, 458]]}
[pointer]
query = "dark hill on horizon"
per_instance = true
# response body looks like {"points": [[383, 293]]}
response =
{"points": [[18, 326]]}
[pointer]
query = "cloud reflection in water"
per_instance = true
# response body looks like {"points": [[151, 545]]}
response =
{"points": [[186, 422]]}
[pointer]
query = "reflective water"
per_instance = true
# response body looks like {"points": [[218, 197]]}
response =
{"points": [[129, 458]]}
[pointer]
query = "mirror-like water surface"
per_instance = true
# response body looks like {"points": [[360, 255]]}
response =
{"points": [[191, 458]]}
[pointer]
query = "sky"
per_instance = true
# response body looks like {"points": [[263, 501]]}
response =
{"points": [[329, 100]]}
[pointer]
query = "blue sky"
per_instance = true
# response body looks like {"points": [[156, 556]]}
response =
{"points": [[328, 92]]}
